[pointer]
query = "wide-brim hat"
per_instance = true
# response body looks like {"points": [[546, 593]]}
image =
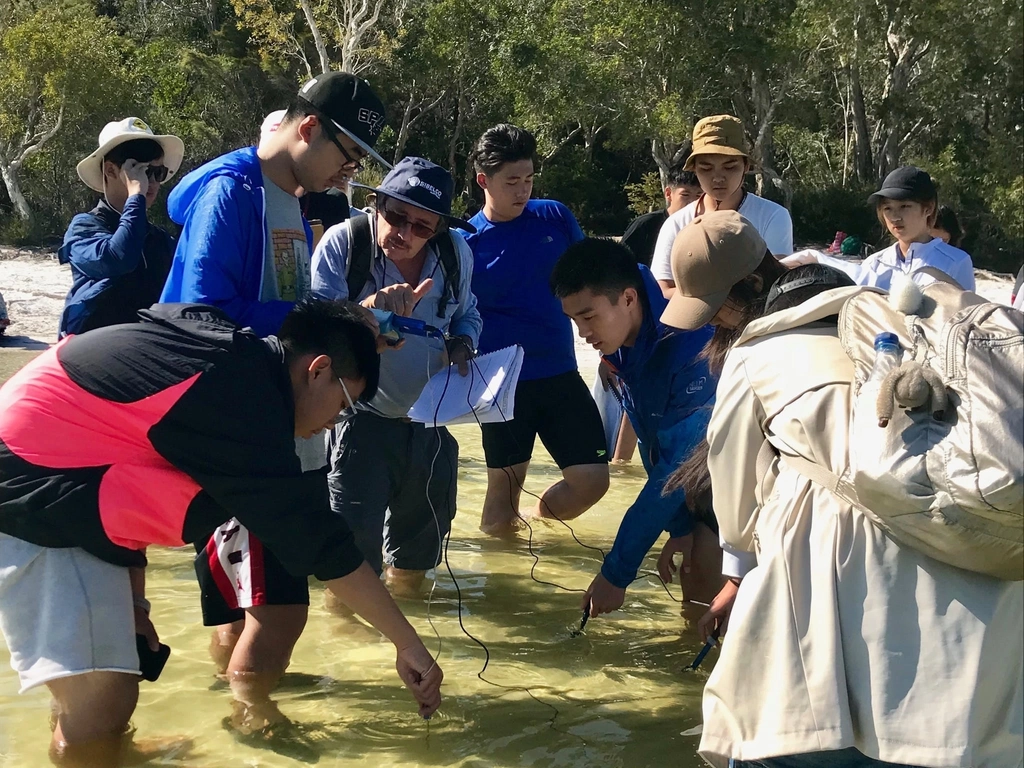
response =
{"points": [[717, 135], [709, 256], [423, 184], [90, 170]]}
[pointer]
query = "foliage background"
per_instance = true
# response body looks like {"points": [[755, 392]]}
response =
{"points": [[834, 94]]}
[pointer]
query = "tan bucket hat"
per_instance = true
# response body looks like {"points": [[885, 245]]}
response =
{"points": [[709, 256], [90, 170], [717, 135]]}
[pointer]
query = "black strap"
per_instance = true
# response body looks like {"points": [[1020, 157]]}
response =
{"points": [[360, 255], [451, 268], [360, 261]]}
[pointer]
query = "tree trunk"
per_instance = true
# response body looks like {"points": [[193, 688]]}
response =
{"points": [[13, 185], [453, 144], [318, 40], [863, 160]]}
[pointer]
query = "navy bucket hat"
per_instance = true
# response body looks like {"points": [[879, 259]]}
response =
{"points": [[419, 182]]}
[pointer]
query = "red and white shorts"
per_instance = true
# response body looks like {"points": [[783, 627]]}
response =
{"points": [[236, 572]]}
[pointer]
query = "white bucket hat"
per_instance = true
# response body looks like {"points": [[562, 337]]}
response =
{"points": [[90, 170]]}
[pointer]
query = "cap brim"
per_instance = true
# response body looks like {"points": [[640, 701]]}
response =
{"points": [[461, 223], [691, 161], [891, 193], [689, 313], [363, 145], [90, 170]]}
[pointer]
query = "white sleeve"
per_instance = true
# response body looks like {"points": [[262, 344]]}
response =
{"points": [[964, 274], [778, 235], [330, 264], [661, 263], [737, 563]]}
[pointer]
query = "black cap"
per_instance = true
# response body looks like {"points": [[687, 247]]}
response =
{"points": [[906, 183], [421, 183], [351, 105]]}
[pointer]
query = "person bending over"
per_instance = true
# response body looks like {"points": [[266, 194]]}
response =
{"points": [[667, 393], [156, 433]]}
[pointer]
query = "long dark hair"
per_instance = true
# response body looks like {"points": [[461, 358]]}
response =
{"points": [[748, 297]]}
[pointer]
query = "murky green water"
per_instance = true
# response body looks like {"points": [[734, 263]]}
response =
{"points": [[616, 696]]}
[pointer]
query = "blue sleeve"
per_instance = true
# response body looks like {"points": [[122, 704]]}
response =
{"points": [[330, 264], [642, 524], [573, 229], [97, 253], [219, 259], [466, 321]]}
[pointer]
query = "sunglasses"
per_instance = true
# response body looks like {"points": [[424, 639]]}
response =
{"points": [[399, 220], [157, 173]]}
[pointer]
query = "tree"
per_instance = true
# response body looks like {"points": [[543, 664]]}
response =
{"points": [[57, 64]]}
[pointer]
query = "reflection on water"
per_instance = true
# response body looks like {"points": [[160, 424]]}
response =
{"points": [[615, 696]]}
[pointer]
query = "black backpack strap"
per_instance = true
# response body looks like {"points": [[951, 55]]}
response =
{"points": [[360, 255], [451, 267]]}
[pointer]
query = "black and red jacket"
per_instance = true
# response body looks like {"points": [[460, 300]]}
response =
{"points": [[156, 433]]}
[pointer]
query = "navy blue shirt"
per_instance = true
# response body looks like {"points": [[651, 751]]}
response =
{"points": [[512, 263]]}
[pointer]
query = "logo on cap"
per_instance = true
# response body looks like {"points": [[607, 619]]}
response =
{"points": [[139, 125], [416, 181], [372, 118]]}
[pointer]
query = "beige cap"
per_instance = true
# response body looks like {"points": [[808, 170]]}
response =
{"points": [[709, 256], [717, 135], [90, 170]]}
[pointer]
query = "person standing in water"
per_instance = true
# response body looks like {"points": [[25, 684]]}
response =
{"points": [[721, 161], [515, 247]]}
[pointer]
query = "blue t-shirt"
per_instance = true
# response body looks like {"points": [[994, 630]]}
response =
{"points": [[512, 263]]}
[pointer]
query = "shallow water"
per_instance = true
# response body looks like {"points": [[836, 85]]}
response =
{"points": [[615, 696]]}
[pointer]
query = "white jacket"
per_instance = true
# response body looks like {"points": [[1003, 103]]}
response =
{"points": [[840, 637]]}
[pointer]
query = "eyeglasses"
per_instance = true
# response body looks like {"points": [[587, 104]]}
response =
{"points": [[355, 162], [348, 397], [399, 220], [157, 173]]}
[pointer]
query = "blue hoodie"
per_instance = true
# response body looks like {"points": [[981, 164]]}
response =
{"points": [[668, 394], [219, 259]]}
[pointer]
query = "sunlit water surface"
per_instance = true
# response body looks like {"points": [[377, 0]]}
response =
{"points": [[615, 696]]}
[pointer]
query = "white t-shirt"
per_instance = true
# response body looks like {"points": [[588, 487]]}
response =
{"points": [[770, 219], [878, 269]]}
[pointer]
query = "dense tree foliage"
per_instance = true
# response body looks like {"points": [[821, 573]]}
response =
{"points": [[833, 94]]}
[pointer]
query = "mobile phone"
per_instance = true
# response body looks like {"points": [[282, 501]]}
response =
{"points": [[151, 663]]}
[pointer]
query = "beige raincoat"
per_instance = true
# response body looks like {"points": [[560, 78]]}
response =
{"points": [[840, 637]]}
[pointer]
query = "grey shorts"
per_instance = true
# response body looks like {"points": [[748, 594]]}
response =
{"points": [[394, 483], [64, 612]]}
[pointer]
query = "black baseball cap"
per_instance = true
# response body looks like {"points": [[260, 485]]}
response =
{"points": [[419, 182], [906, 183], [351, 105]]}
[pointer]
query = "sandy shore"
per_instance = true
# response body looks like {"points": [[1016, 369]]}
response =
{"points": [[35, 285]]}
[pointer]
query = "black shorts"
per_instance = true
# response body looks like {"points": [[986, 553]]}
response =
{"points": [[235, 572], [561, 410]]}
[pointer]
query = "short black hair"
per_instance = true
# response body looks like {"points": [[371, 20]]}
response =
{"points": [[140, 150], [504, 143], [336, 329], [603, 265], [946, 219], [299, 108], [677, 177]]}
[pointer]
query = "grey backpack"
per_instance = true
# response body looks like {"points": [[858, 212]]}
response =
{"points": [[937, 449]]}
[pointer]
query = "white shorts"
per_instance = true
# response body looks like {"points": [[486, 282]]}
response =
{"points": [[64, 612]]}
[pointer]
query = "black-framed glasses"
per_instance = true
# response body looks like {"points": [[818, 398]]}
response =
{"points": [[400, 220], [356, 162], [157, 173]]}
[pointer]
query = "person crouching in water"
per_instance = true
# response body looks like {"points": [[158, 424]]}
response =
{"points": [[157, 432], [667, 393], [844, 647]]}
